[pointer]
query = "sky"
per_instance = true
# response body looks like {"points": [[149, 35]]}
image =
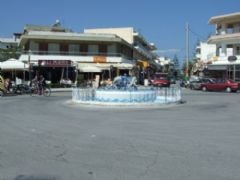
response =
{"points": [[160, 22]]}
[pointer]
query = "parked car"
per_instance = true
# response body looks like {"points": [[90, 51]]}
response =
{"points": [[220, 85], [197, 84], [160, 81]]}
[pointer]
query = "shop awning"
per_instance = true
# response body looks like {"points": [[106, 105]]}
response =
{"points": [[98, 67], [124, 66], [91, 68], [217, 67], [13, 64]]}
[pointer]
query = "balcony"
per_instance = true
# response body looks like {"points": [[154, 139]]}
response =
{"points": [[143, 50], [233, 37], [35, 56]]}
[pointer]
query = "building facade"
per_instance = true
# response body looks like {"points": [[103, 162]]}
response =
{"points": [[63, 54], [226, 63], [205, 52], [8, 43], [142, 48]]}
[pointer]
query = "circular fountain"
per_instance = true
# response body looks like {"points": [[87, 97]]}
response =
{"points": [[124, 91]]}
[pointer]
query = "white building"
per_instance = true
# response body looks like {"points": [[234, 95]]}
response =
{"points": [[227, 41], [143, 48], [8, 43], [204, 54], [57, 50], [163, 61], [205, 51]]}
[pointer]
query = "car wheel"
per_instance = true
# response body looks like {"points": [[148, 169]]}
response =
{"points": [[228, 89], [204, 88]]}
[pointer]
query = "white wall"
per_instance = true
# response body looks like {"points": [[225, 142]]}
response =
{"points": [[208, 51], [79, 59], [124, 33]]}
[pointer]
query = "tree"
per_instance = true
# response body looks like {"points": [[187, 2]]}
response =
{"points": [[190, 67], [176, 62], [9, 53], [176, 72]]}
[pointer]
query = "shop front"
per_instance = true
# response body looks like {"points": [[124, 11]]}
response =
{"points": [[57, 71], [230, 71]]}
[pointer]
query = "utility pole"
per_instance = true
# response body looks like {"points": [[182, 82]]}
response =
{"points": [[187, 50]]}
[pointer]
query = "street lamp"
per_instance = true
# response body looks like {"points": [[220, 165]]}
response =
{"points": [[29, 66]]}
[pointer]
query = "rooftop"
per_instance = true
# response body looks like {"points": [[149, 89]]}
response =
{"points": [[233, 17], [8, 40], [71, 36]]}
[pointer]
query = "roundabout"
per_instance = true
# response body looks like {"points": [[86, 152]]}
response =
{"points": [[124, 92]]}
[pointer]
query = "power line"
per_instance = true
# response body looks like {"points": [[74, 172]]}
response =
{"points": [[196, 34]]}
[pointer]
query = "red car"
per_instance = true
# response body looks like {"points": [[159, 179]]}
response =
{"points": [[220, 85], [160, 81]]}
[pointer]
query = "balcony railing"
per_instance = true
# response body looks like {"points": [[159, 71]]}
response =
{"points": [[223, 37], [72, 53]]}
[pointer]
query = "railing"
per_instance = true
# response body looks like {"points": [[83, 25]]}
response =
{"points": [[83, 94], [150, 95], [171, 94], [72, 53]]}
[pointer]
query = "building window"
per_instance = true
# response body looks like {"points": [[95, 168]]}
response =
{"points": [[53, 48], [112, 49], [74, 49], [93, 49], [102, 49], [64, 48], [83, 49], [219, 27], [34, 47], [238, 51], [230, 29], [43, 48]]}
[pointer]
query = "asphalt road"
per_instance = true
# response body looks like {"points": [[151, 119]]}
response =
{"points": [[46, 139]]}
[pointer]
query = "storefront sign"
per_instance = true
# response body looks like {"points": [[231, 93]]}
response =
{"points": [[54, 63], [99, 59]]}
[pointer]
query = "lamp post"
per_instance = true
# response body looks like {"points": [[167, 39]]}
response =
{"points": [[29, 66]]}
